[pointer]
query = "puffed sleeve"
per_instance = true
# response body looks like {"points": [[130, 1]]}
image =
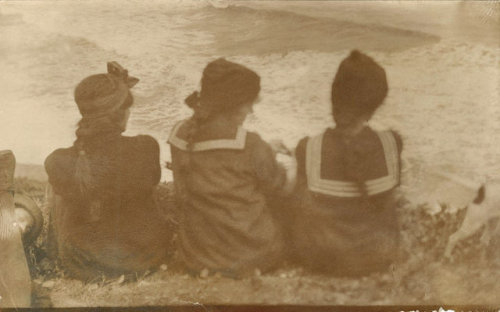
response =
{"points": [[60, 171], [151, 151]]}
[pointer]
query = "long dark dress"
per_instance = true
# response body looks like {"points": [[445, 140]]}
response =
{"points": [[334, 228], [223, 185], [118, 230]]}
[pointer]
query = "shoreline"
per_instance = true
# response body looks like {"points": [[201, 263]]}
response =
{"points": [[436, 89], [31, 171]]}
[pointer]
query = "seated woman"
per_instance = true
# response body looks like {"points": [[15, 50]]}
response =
{"points": [[224, 177], [15, 283], [344, 220], [103, 217]]}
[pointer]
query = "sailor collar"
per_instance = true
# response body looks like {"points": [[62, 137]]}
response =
{"points": [[238, 143], [339, 188]]}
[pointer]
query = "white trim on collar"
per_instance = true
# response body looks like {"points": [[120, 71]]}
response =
{"points": [[350, 189], [238, 143]]}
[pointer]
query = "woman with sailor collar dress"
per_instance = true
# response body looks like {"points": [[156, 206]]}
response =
{"points": [[224, 177], [344, 219]]}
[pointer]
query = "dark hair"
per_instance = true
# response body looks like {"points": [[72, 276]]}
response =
{"points": [[93, 131], [359, 87], [353, 160], [200, 115], [225, 87]]}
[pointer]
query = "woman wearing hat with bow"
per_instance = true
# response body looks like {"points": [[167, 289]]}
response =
{"points": [[224, 177], [344, 220], [103, 218]]}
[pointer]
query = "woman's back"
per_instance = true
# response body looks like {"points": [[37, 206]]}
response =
{"points": [[346, 177], [116, 227], [122, 167], [221, 185], [346, 227], [103, 218]]}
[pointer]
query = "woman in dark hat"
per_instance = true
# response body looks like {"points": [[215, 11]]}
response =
{"points": [[103, 217], [224, 177], [344, 220]]}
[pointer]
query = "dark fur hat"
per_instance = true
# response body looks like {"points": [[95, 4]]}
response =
{"points": [[225, 86], [360, 85]]}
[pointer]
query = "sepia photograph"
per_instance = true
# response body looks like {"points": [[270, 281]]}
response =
{"points": [[244, 155]]}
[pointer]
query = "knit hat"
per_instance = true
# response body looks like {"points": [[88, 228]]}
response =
{"points": [[360, 85], [98, 95], [224, 86]]}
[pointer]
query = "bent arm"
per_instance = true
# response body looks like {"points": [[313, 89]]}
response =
{"points": [[270, 175]]}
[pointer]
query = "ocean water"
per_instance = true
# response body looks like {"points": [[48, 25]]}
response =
{"points": [[442, 61]]}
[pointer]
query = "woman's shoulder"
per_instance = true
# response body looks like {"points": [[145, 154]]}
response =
{"points": [[257, 147], [59, 155], [253, 138], [60, 162], [398, 139], [255, 142], [180, 129], [370, 139], [391, 131], [302, 143], [141, 142]]}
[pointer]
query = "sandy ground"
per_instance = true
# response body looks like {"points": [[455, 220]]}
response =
{"points": [[421, 276]]}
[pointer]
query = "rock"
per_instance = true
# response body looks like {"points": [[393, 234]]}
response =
{"points": [[48, 284], [434, 208], [256, 282], [121, 279], [93, 286], [47, 266], [144, 283], [163, 267], [257, 272], [204, 273]]}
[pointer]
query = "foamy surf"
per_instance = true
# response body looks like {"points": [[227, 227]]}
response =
{"points": [[443, 90]]}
